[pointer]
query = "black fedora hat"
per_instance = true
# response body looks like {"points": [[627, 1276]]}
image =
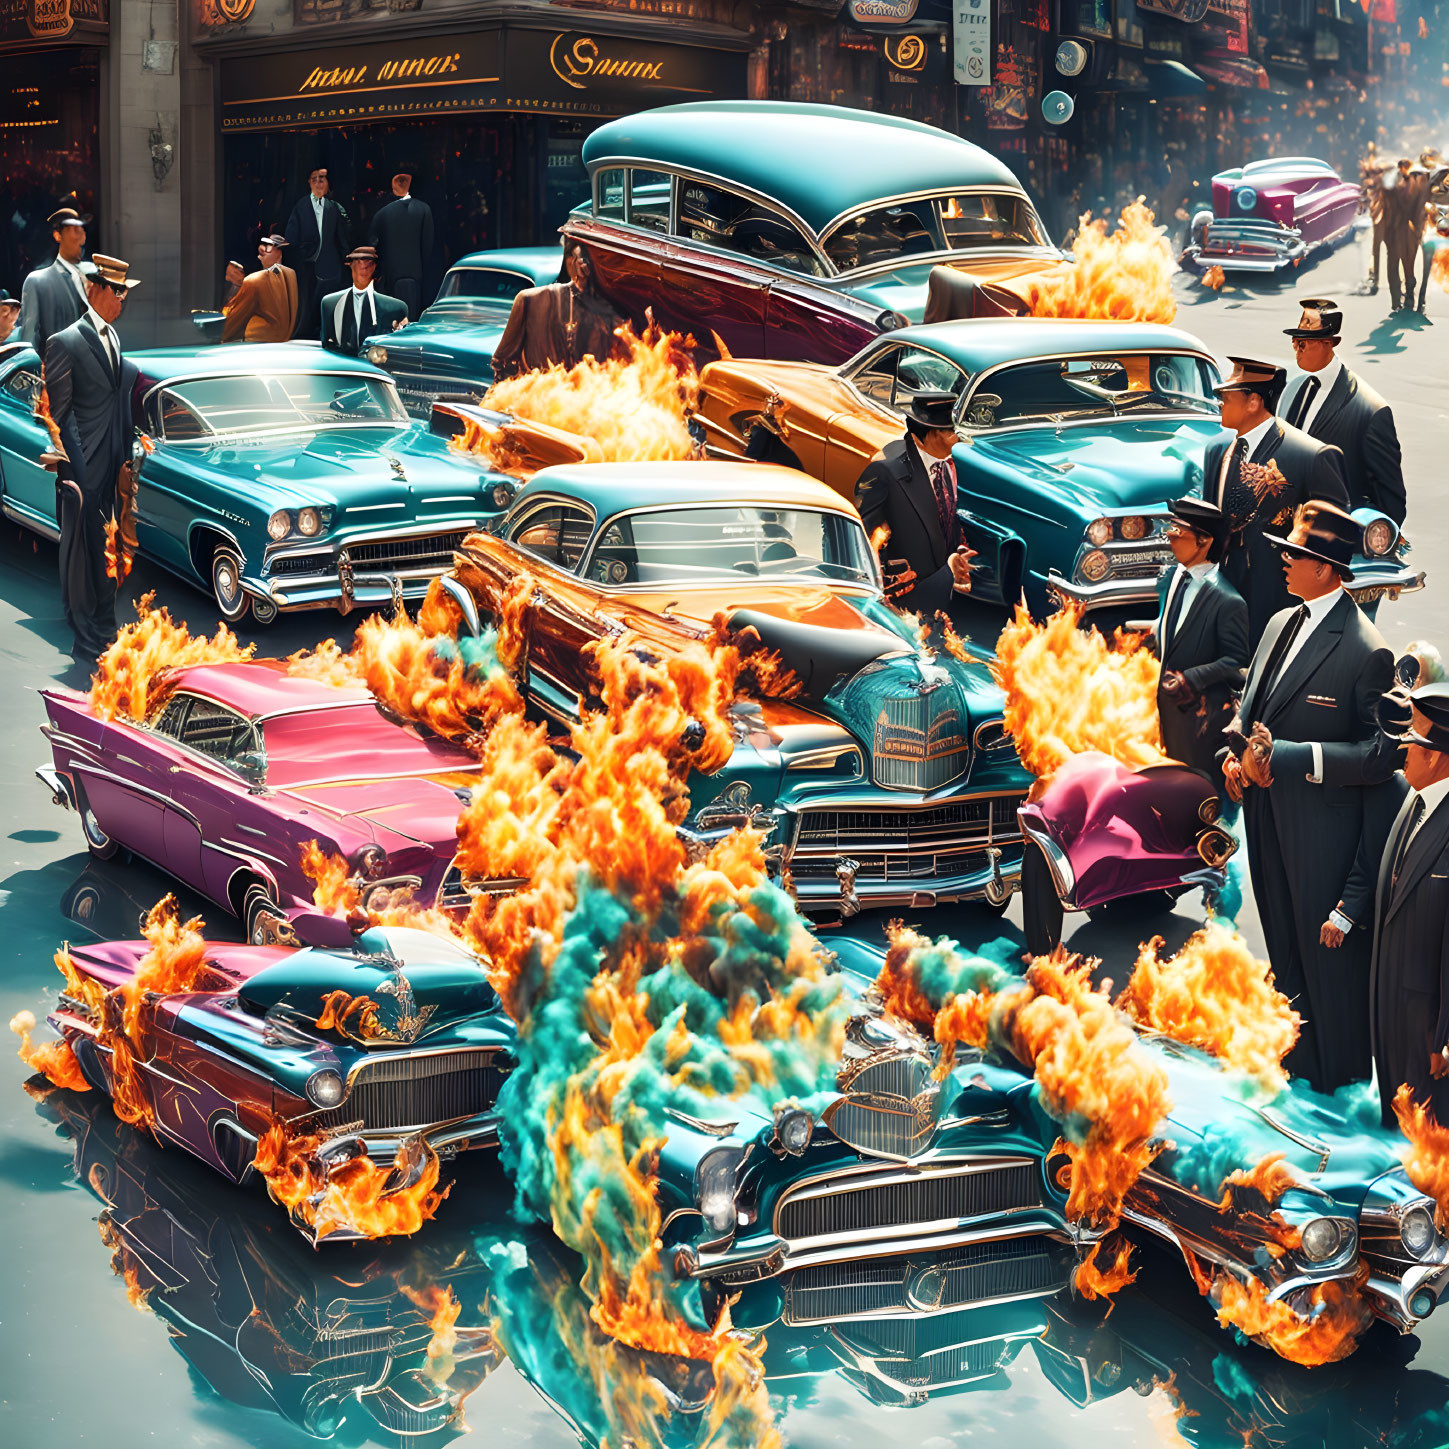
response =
{"points": [[930, 411], [1201, 516], [1324, 532], [1322, 319], [1431, 701]]}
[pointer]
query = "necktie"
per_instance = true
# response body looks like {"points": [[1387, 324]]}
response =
{"points": [[349, 327], [945, 504], [1416, 815], [1304, 401], [1291, 630], [1174, 609], [1240, 503], [108, 341]]}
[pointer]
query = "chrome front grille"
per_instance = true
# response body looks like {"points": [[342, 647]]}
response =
{"points": [[434, 551], [401, 1093], [938, 1200], [457, 890], [904, 845], [959, 1278], [884, 1126], [899, 1074], [920, 740]]}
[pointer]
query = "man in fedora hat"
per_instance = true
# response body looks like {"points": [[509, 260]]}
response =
{"points": [[9, 315], [264, 308], [55, 296], [1402, 906], [562, 323], [90, 383], [909, 487], [350, 316], [1337, 407], [1201, 638], [1304, 755], [318, 229], [1259, 478], [402, 232]]}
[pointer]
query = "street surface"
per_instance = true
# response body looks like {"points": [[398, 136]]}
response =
{"points": [[83, 1366]]}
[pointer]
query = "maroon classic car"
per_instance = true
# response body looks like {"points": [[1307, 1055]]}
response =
{"points": [[1271, 214], [240, 767]]}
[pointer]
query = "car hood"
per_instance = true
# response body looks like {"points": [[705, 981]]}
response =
{"points": [[419, 808], [454, 333], [1119, 465]]}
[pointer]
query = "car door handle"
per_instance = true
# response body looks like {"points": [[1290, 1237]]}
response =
{"points": [[175, 769]]}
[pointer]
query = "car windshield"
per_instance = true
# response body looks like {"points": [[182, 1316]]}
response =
{"points": [[700, 544], [208, 407], [1112, 385], [482, 284], [956, 221]]}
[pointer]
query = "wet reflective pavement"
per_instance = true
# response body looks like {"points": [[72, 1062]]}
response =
{"points": [[148, 1302]]}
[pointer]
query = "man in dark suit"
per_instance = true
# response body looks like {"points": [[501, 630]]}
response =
{"points": [[402, 232], [1304, 756], [1409, 921], [1259, 479], [90, 383], [55, 296], [909, 488], [1201, 638], [317, 234], [350, 316], [1336, 406]]}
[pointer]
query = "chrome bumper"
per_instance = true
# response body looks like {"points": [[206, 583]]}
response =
{"points": [[1110, 593], [57, 784]]}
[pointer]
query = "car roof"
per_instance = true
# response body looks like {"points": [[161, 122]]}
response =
{"points": [[612, 488], [981, 342], [242, 359], [262, 687], [540, 263], [820, 161]]}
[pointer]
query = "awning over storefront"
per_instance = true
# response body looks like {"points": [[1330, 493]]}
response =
{"points": [[549, 72], [1173, 78], [1232, 70]]}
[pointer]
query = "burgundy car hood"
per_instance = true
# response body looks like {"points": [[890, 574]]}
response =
{"points": [[422, 808]]}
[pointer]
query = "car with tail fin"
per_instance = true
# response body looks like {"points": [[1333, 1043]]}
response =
{"points": [[1075, 435], [884, 778]]}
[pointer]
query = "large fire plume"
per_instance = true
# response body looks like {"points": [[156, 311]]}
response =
{"points": [[1124, 275], [1068, 690], [131, 676], [1216, 995], [633, 408], [1426, 1159]]}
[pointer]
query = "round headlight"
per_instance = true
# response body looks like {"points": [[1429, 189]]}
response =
{"points": [[279, 525], [1099, 532], [1245, 198], [1095, 566], [793, 1129], [1416, 1231], [502, 494], [715, 1188], [1134, 528], [309, 522], [377, 356], [324, 1088], [1378, 538], [1322, 1239]]}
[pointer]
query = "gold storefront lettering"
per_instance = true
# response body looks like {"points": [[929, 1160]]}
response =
{"points": [[415, 67], [574, 64]]}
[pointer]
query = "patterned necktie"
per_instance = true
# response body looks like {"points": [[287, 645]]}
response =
{"points": [[1304, 401], [945, 504], [1240, 503]]}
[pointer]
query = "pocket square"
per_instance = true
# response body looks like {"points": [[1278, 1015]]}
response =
{"points": [[1327, 699]]}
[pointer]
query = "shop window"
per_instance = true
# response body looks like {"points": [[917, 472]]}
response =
{"points": [[609, 202], [649, 199], [722, 218]]}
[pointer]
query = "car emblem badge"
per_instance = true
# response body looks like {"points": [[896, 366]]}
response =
{"points": [[408, 1021]]}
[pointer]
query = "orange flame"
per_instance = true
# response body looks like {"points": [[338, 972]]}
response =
{"points": [[1069, 690], [1093, 1282], [1216, 995], [351, 1016], [443, 1307], [1270, 1177], [1125, 276], [53, 1059], [358, 1196], [131, 676], [633, 408], [334, 890], [327, 664], [118, 564], [1214, 277], [880, 535], [124, 1265], [1439, 269], [1426, 1159]]}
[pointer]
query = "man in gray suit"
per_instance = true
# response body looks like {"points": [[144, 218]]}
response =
{"points": [[402, 232], [89, 384], [55, 296]]}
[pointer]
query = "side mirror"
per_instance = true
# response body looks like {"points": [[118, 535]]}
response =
{"points": [[455, 590]]}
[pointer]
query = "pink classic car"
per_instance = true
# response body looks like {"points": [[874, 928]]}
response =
{"points": [[240, 767], [1271, 214]]}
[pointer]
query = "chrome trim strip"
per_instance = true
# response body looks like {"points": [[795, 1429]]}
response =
{"points": [[156, 795], [26, 519]]}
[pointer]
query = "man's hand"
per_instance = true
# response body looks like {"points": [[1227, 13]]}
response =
{"points": [[1258, 757], [899, 576], [234, 274], [960, 562], [1330, 935], [1438, 1064], [1233, 779]]}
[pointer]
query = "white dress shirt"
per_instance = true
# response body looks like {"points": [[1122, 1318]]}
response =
{"points": [[1327, 379], [358, 299], [1188, 582], [317, 212], [107, 336], [1318, 610], [1252, 438], [76, 278], [1432, 796]]}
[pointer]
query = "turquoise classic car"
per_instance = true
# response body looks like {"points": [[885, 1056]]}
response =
{"points": [[277, 477], [448, 351], [786, 230], [1075, 435]]}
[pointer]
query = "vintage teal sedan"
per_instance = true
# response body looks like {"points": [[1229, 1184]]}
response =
{"points": [[1074, 437], [448, 351], [277, 477]]}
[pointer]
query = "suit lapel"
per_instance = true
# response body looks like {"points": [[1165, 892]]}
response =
{"points": [[1316, 648], [93, 340], [1261, 657], [1199, 610], [920, 492], [1268, 444], [1425, 848], [1334, 403], [1391, 850]]}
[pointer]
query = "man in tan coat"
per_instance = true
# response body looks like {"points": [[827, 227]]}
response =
{"points": [[264, 308]]}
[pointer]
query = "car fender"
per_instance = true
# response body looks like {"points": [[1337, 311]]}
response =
{"points": [[999, 568]]}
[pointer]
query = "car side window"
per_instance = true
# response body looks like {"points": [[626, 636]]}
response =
{"points": [[172, 716], [21, 386], [610, 184], [484, 283], [649, 199], [876, 376], [180, 422], [722, 218], [217, 731], [918, 371], [555, 532]]}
